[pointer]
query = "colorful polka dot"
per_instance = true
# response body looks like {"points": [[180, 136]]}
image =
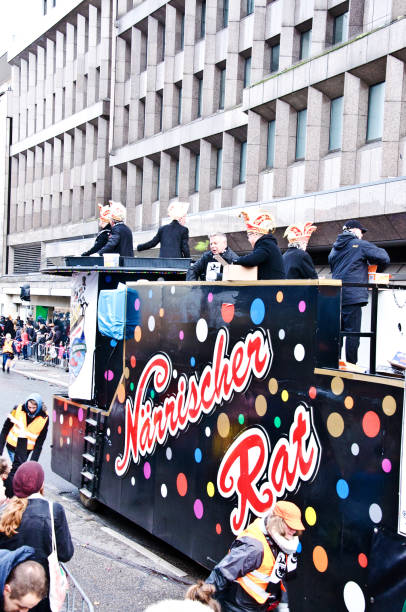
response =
{"points": [[201, 330], [210, 297], [54, 416], [198, 508], [312, 392], [161, 312], [218, 528], [80, 415], [257, 311], [151, 323], [210, 489], [70, 421], [342, 488], [273, 386], [223, 425], [335, 424], [320, 559], [261, 405], [375, 513], [282, 334], [279, 297], [164, 490], [126, 372], [192, 362], [227, 312], [137, 304], [277, 422], [107, 457], [181, 484], [198, 455], [147, 470], [362, 560], [299, 352], [354, 597], [131, 386], [119, 430], [241, 419], [132, 481], [168, 453], [133, 361], [137, 333], [337, 385], [302, 306], [121, 393], [389, 405], [371, 424], [113, 343], [386, 465], [284, 395], [181, 335], [207, 432], [355, 449], [349, 402], [109, 375], [61, 419], [310, 516]]}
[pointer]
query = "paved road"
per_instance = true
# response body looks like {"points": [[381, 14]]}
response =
{"points": [[107, 562]]}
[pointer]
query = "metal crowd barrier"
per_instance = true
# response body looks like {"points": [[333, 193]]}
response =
{"points": [[48, 354], [76, 599]]}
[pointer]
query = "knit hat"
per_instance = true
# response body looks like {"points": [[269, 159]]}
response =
{"points": [[290, 513], [177, 210], [299, 232], [28, 479], [117, 211], [257, 220], [104, 212]]}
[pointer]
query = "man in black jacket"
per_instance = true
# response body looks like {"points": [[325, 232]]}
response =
{"points": [[173, 237], [121, 238], [105, 231], [207, 267], [266, 253], [349, 259], [298, 263]]}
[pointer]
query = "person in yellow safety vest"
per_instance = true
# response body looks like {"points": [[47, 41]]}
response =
{"points": [[249, 578], [28, 420], [8, 352]]}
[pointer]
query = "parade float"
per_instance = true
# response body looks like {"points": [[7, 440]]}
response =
{"points": [[194, 406]]}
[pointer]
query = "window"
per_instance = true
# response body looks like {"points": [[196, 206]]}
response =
{"points": [[336, 124], [301, 134], [247, 71], [197, 172], [225, 13], [160, 110], [199, 97], [219, 166], [270, 150], [275, 58], [340, 31], [250, 7], [44, 7], [203, 19], [222, 88], [375, 111], [179, 88], [243, 161], [177, 178], [305, 41], [158, 183]]}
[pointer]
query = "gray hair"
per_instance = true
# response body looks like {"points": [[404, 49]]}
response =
{"points": [[218, 234]]}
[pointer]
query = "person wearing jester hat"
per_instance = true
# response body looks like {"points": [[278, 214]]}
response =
{"points": [[105, 231], [121, 238], [173, 237], [266, 253], [298, 263]]}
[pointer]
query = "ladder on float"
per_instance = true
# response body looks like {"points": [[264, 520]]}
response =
{"points": [[92, 455]]}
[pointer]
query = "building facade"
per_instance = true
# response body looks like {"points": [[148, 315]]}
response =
{"points": [[299, 105]]}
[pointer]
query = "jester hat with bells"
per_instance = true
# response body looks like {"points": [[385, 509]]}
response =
{"points": [[257, 220], [104, 213], [117, 211], [299, 233], [177, 210]]}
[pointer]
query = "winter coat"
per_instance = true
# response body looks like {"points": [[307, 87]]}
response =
{"points": [[267, 256], [298, 264], [101, 239], [198, 270], [120, 241], [9, 328], [35, 531], [8, 560], [349, 259], [174, 239]]}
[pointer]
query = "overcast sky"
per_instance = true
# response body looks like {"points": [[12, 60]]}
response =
{"points": [[16, 19]]}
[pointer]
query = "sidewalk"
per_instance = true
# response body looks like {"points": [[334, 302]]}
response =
{"points": [[39, 371]]}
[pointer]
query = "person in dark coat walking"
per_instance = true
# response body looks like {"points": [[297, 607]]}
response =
{"points": [[349, 259], [23, 582], [207, 267], [121, 238], [266, 253], [9, 327], [173, 237], [27, 520], [298, 263], [105, 231]]}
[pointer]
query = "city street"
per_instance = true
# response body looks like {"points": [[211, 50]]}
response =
{"points": [[110, 560]]}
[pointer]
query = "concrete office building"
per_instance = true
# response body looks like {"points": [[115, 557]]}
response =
{"points": [[299, 105]]}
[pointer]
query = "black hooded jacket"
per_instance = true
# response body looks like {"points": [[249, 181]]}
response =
{"points": [[120, 241], [101, 239], [267, 256], [298, 264], [349, 259], [174, 240], [199, 269]]}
